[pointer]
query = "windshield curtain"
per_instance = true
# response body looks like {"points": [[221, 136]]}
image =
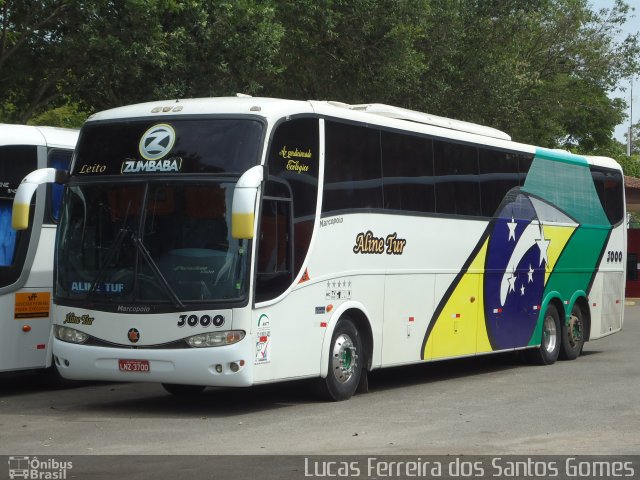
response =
{"points": [[151, 243], [7, 234]]}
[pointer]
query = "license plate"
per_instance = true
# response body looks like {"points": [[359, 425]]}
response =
{"points": [[133, 365]]}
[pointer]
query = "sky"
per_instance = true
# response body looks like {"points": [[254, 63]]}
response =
{"points": [[631, 26]]}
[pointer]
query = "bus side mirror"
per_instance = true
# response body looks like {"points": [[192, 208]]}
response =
{"points": [[244, 203], [26, 189]]}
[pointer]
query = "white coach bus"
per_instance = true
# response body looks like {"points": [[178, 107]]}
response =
{"points": [[242, 241], [26, 257]]}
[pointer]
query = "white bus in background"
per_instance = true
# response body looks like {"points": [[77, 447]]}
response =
{"points": [[241, 241], [26, 256]]}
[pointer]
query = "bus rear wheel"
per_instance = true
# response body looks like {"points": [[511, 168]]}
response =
{"points": [[345, 366], [549, 349], [573, 335], [183, 390]]}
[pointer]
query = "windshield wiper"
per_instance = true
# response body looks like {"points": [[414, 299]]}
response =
{"points": [[156, 271], [115, 246]]}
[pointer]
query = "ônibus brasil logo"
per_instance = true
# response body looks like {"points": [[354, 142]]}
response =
{"points": [[155, 144], [33, 468]]}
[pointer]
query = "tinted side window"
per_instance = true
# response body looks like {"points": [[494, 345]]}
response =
{"points": [[15, 163], [609, 186], [457, 180], [288, 206], [524, 164], [60, 160], [498, 175], [407, 167], [352, 174], [198, 146]]}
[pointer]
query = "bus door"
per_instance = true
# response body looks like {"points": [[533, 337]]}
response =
{"points": [[16, 161]]}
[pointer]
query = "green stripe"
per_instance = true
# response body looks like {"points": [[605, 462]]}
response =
{"points": [[565, 181], [561, 156], [575, 268]]}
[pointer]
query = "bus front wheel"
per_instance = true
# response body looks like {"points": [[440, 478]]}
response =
{"points": [[573, 335], [549, 349], [345, 362]]}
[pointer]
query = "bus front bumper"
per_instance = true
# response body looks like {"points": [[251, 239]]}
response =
{"points": [[227, 366]]}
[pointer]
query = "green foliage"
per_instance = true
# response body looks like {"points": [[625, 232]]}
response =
{"points": [[353, 51], [109, 53], [635, 138], [540, 70], [66, 116]]}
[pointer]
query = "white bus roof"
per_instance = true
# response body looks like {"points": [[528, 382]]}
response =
{"points": [[426, 118], [31, 135], [269, 108], [379, 114], [602, 162], [274, 108], [279, 107]]}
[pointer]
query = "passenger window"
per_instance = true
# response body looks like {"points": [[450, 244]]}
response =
{"points": [[457, 179], [609, 185], [60, 160], [407, 167], [498, 175], [353, 172]]}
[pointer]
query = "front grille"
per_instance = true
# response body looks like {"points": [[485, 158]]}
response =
{"points": [[175, 345]]}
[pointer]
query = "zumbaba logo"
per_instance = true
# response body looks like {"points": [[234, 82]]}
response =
{"points": [[157, 142]]}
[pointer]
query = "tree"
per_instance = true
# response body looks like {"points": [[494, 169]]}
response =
{"points": [[352, 51], [540, 70], [635, 138], [176, 49], [30, 60], [105, 54], [66, 116]]}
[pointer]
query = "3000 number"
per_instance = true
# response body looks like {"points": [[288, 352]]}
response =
{"points": [[614, 256], [203, 320]]}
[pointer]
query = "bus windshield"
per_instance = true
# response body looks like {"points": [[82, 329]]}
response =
{"points": [[150, 242], [16, 161]]}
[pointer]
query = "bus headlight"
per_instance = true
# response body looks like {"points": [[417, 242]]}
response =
{"points": [[215, 339], [70, 335]]}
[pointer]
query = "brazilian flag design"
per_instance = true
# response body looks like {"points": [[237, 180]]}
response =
{"points": [[546, 239]]}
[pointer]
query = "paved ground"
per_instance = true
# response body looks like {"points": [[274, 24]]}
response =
{"points": [[490, 405]]}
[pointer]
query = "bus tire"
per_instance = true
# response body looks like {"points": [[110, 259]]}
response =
{"points": [[345, 362], [180, 390], [572, 335], [549, 349]]}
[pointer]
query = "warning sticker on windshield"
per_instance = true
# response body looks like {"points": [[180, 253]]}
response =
{"points": [[32, 305]]}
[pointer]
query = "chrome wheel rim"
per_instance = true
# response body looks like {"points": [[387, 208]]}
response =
{"points": [[549, 334], [344, 358]]}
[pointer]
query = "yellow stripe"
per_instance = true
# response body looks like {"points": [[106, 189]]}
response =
{"points": [[454, 336], [20, 216], [242, 225], [559, 237]]}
